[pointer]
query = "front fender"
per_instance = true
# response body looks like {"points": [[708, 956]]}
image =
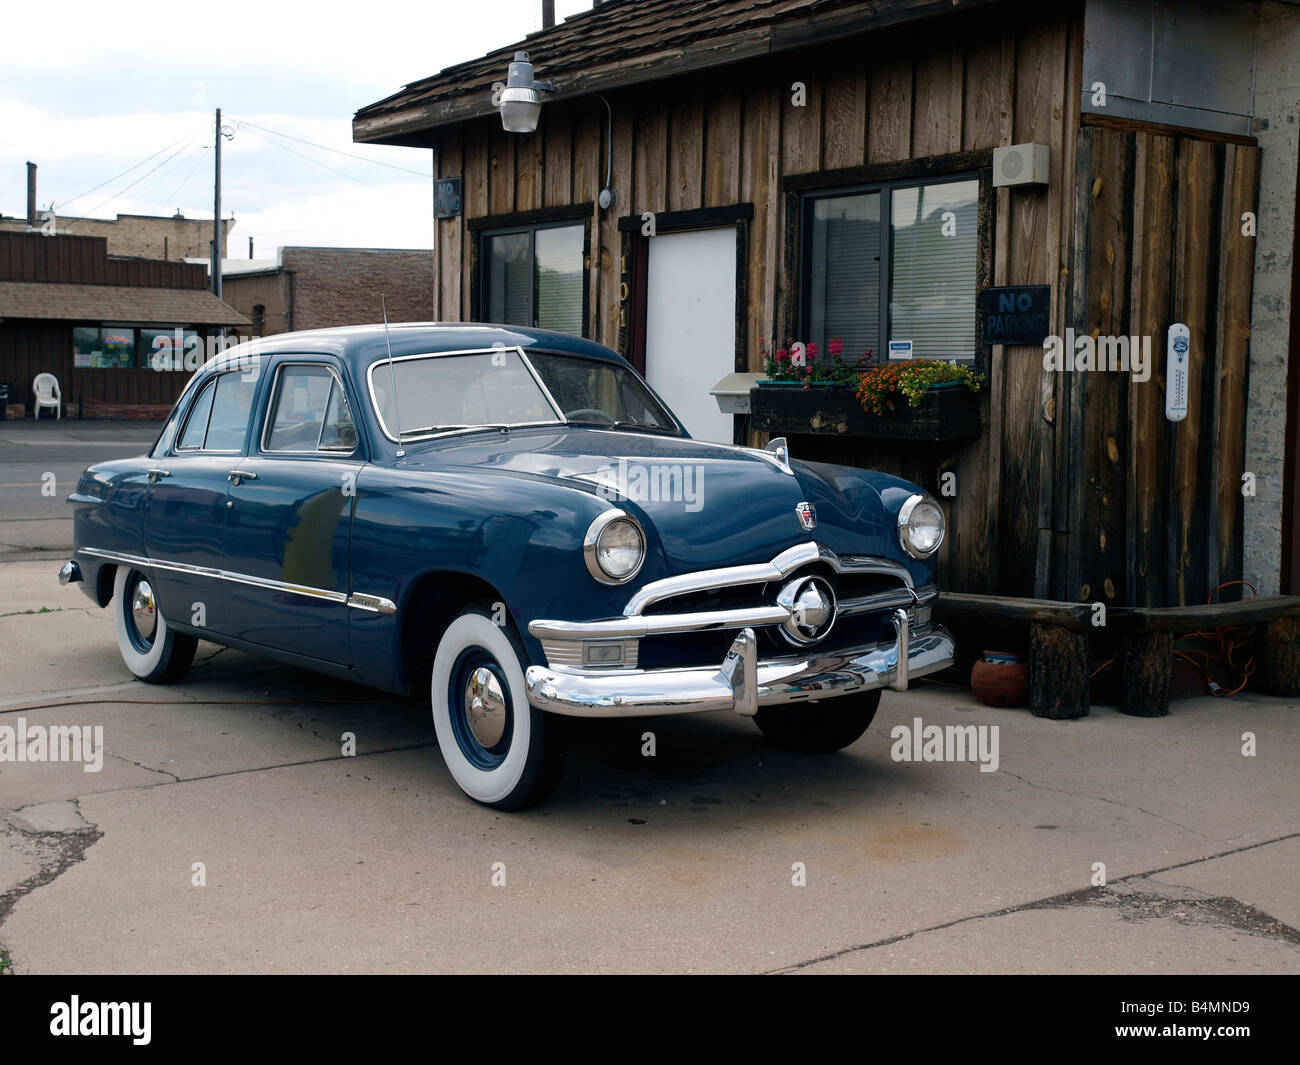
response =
{"points": [[522, 536]]}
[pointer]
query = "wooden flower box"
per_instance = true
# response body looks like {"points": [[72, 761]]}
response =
{"points": [[945, 413]]}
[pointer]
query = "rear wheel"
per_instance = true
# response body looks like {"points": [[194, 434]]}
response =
{"points": [[502, 751], [820, 727], [152, 650]]}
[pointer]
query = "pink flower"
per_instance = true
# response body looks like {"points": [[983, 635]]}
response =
{"points": [[782, 355], [811, 352], [836, 346]]}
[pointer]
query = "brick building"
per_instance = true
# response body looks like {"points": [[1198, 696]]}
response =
{"points": [[314, 288], [136, 236]]}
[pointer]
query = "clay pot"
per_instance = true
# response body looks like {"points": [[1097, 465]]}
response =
{"points": [[1000, 682]]}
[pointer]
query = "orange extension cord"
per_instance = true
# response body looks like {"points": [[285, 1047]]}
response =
{"points": [[1233, 640]]}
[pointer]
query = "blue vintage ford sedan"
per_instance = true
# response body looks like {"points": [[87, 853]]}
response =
{"points": [[511, 520]]}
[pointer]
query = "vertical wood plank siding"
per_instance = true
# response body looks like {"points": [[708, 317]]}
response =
{"points": [[1077, 488]]}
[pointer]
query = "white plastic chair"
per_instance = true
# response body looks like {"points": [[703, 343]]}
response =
{"points": [[46, 387]]}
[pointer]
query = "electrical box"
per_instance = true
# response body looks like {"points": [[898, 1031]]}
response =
{"points": [[1021, 164]]}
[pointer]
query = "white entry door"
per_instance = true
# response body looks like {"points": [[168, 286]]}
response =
{"points": [[690, 339]]}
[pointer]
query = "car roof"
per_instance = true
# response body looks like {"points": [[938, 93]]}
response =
{"points": [[362, 345]]}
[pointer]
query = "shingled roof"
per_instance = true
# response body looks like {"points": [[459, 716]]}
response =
{"points": [[623, 42], [114, 303]]}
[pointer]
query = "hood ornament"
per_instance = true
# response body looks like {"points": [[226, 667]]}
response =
{"points": [[807, 515]]}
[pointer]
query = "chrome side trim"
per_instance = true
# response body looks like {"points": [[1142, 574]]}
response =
{"points": [[373, 603], [784, 564]]}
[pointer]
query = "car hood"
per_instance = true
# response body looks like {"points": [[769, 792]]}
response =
{"points": [[707, 504]]}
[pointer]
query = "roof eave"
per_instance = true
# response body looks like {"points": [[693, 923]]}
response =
{"points": [[410, 126]]}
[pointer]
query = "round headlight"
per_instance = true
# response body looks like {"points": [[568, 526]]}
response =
{"points": [[614, 547], [920, 526]]}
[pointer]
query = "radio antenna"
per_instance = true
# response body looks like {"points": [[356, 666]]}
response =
{"points": [[392, 376]]}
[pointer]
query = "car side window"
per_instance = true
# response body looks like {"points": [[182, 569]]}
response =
{"points": [[218, 420], [196, 425], [339, 432], [231, 406], [310, 413]]}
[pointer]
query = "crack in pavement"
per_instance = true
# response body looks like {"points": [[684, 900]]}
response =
{"points": [[146, 768], [56, 852], [49, 610], [1232, 912], [1102, 798]]}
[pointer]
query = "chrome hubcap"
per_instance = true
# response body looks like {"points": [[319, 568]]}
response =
{"points": [[143, 610], [485, 707]]}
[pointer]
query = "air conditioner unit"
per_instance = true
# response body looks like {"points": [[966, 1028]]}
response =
{"points": [[1021, 164]]}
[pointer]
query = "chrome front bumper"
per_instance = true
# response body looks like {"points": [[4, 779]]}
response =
{"points": [[741, 682]]}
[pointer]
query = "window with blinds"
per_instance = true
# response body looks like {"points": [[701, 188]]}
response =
{"points": [[534, 277], [893, 261], [933, 269]]}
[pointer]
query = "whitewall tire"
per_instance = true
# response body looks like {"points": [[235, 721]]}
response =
{"points": [[502, 752], [152, 650]]}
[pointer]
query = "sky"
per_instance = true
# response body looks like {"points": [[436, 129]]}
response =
{"points": [[97, 91]]}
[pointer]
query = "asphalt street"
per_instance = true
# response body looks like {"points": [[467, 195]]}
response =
{"points": [[227, 829], [40, 462]]}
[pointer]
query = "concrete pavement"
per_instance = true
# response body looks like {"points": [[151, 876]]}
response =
{"points": [[226, 832]]}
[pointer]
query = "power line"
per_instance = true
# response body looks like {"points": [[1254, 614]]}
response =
{"points": [[336, 151], [128, 170], [171, 169], [123, 192], [188, 176], [309, 159]]}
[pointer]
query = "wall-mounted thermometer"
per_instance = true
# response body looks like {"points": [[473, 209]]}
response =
{"points": [[1177, 368]]}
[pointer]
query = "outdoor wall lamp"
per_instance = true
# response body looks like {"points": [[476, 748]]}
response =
{"points": [[520, 103]]}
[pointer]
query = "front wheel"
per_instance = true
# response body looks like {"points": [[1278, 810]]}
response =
{"points": [[502, 751], [820, 727], [152, 650]]}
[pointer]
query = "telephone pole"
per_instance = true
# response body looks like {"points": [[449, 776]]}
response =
{"points": [[216, 210]]}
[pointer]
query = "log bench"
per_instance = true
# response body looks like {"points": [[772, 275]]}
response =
{"points": [[1059, 682]]}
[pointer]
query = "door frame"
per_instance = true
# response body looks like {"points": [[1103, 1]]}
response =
{"points": [[634, 274], [1290, 545]]}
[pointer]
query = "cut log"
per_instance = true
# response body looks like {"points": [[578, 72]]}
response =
{"points": [[1147, 668], [1058, 672], [1277, 657]]}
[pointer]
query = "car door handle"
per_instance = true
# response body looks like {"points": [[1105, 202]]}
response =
{"points": [[235, 476], [153, 475]]}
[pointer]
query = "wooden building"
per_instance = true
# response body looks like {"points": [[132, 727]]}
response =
{"points": [[750, 126], [69, 309]]}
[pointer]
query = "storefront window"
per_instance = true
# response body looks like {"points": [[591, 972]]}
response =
{"points": [[164, 349], [893, 262], [534, 277], [124, 347]]}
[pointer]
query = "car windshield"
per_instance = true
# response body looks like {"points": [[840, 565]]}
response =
{"points": [[430, 394]]}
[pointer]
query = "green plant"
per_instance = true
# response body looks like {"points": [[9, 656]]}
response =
{"points": [[878, 384]]}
